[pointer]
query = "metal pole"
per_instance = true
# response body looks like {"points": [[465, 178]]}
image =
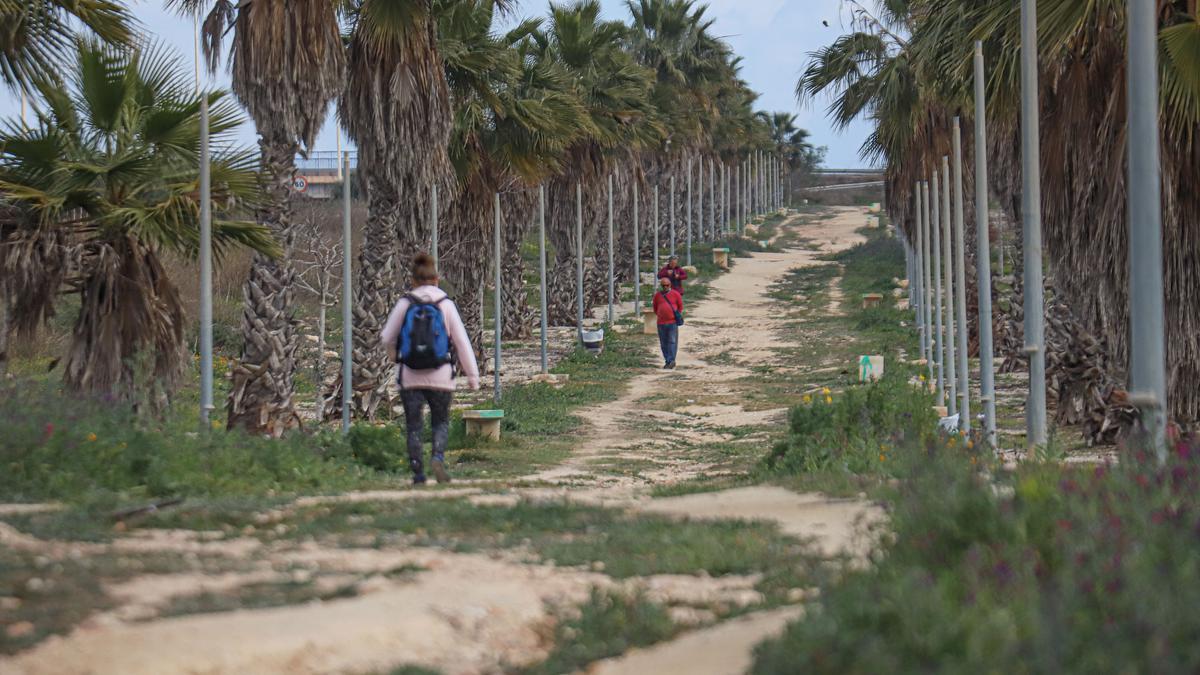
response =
{"points": [[433, 223], [672, 218], [496, 303], [983, 255], [656, 230], [612, 271], [542, 265], [927, 277], [948, 271], [712, 200], [689, 213], [960, 277], [737, 208], [1031, 209], [347, 300], [579, 256], [924, 334], [939, 352], [637, 256], [1147, 362], [724, 200], [206, 309]]}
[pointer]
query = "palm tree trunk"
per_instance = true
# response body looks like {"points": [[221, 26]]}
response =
{"points": [[373, 297], [4, 330], [261, 398], [466, 235], [127, 342], [519, 316]]}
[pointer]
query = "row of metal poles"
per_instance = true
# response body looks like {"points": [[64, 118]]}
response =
{"points": [[936, 265], [746, 190]]}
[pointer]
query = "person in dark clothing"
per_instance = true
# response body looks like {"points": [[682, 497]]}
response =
{"points": [[668, 307], [674, 273]]}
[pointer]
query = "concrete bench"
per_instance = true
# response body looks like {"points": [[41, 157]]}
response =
{"points": [[483, 423]]}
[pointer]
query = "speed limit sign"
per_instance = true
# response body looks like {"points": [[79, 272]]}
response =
{"points": [[300, 183]]}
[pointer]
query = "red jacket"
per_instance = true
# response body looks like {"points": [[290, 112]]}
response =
{"points": [[666, 305], [677, 276]]}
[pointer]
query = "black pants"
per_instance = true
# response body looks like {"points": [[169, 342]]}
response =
{"points": [[414, 401]]}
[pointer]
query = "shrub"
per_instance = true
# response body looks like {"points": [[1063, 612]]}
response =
{"points": [[1045, 569], [608, 625], [856, 430], [381, 448], [61, 447]]}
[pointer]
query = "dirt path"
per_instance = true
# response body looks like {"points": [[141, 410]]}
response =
{"points": [[431, 618]]}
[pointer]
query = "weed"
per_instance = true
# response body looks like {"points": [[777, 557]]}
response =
{"points": [[607, 625]]}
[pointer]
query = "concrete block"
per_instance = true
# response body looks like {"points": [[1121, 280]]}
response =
{"points": [[483, 423], [870, 368], [872, 300], [721, 257]]}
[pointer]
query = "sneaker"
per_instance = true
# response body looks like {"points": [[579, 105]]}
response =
{"points": [[439, 471], [419, 479], [671, 366], [666, 366]]}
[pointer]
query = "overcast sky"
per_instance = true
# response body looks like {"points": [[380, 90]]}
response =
{"points": [[773, 36]]}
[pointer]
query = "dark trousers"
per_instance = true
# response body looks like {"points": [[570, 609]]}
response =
{"points": [[414, 401], [668, 340]]}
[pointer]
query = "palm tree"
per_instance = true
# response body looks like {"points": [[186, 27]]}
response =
{"points": [[104, 182], [39, 35], [396, 108], [615, 92], [695, 75], [36, 40], [516, 113], [790, 143], [287, 62], [908, 86]]}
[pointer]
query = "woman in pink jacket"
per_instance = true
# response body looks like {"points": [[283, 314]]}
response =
{"points": [[429, 386]]}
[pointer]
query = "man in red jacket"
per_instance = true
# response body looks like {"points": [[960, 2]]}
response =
{"points": [[674, 273], [668, 305]]}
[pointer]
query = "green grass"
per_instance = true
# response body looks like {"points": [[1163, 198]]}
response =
{"points": [[627, 545], [57, 447], [256, 596], [540, 418], [56, 593], [607, 625]]}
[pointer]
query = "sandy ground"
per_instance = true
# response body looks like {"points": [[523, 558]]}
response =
{"points": [[481, 613]]}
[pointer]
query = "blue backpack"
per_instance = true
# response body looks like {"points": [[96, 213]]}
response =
{"points": [[424, 340]]}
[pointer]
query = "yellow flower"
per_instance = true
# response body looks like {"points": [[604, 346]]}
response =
{"points": [[970, 444], [882, 458], [953, 441], [829, 399], [216, 424], [826, 391], [922, 378], [807, 399], [91, 437]]}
